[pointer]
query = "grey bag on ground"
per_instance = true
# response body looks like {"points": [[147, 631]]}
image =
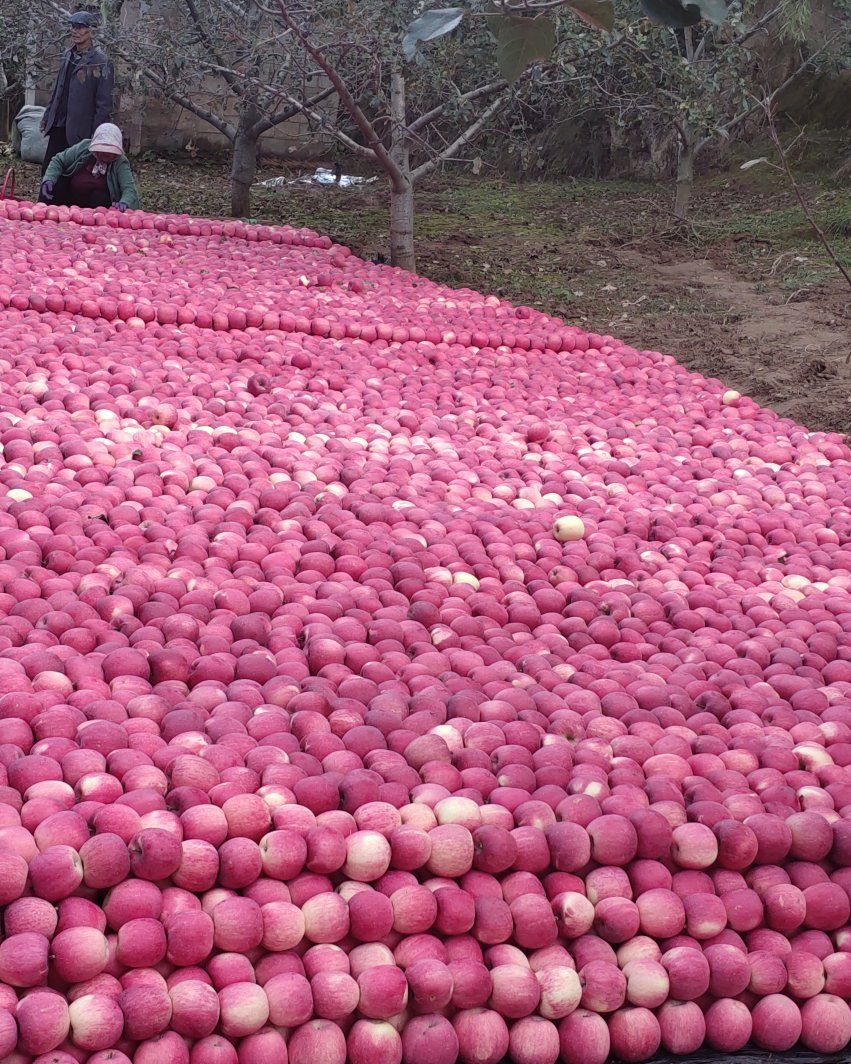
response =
{"points": [[27, 139]]}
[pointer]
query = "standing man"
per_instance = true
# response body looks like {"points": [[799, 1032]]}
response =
{"points": [[82, 95]]}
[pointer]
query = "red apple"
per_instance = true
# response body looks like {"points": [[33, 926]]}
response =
{"points": [[603, 986], [682, 1027], [482, 1036], [374, 1042], [429, 1040], [635, 1033], [826, 1024], [777, 1023], [584, 1038], [728, 1025], [534, 1040]]}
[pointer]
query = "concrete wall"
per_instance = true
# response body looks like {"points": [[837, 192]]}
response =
{"points": [[163, 126], [153, 123]]}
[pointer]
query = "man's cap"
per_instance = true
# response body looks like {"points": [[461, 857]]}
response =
{"points": [[83, 18]]}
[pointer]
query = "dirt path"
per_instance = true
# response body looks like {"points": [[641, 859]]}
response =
{"points": [[793, 356]]}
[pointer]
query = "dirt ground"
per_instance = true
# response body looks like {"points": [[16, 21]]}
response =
{"points": [[792, 356], [744, 293]]}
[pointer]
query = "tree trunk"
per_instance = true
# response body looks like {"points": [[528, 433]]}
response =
{"points": [[685, 148], [126, 17], [402, 192], [685, 175], [29, 74], [246, 147], [402, 228], [5, 111]]}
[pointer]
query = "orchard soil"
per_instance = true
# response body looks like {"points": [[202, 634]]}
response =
{"points": [[744, 292]]}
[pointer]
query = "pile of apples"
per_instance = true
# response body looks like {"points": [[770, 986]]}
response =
{"points": [[382, 697], [224, 282]]}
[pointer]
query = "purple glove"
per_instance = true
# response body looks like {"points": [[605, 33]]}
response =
{"points": [[47, 188], [120, 206]]}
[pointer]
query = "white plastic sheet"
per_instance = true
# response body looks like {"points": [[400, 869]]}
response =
{"points": [[321, 176]]}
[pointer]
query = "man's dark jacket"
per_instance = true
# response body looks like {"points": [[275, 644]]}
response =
{"points": [[89, 94]]}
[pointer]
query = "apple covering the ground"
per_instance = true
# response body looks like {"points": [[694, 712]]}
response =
{"points": [[388, 673]]}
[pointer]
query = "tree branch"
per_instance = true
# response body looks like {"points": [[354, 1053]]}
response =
{"points": [[739, 118], [235, 9], [688, 38], [294, 106], [746, 35], [760, 24], [237, 81], [290, 112], [224, 127], [766, 106], [305, 107], [467, 97], [460, 141], [366, 128], [322, 121], [700, 48], [205, 37], [530, 5]]}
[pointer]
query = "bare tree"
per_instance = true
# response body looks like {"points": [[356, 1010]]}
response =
{"points": [[20, 51], [408, 119], [719, 62], [224, 62], [766, 104], [244, 67], [691, 80]]}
